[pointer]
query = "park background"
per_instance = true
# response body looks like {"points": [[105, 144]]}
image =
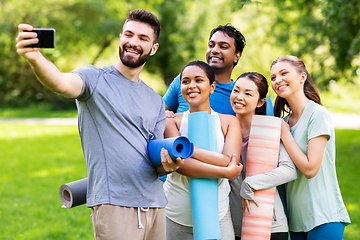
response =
{"points": [[37, 157]]}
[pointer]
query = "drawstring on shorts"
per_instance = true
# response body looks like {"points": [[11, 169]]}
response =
{"points": [[139, 219]]}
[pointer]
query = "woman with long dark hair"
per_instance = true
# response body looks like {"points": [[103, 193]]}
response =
{"points": [[247, 99]]}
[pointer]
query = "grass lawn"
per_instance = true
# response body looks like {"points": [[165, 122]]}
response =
{"points": [[37, 159], [348, 172], [39, 111]]}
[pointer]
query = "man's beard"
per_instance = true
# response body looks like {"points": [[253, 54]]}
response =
{"points": [[129, 61]]}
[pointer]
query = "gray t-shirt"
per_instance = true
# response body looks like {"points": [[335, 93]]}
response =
{"points": [[316, 201], [117, 118]]}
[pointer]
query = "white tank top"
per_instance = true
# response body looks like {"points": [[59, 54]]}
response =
{"points": [[177, 187]]}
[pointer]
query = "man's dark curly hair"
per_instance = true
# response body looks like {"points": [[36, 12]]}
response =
{"points": [[232, 32]]}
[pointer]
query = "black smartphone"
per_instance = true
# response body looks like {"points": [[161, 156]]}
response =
{"points": [[46, 38]]}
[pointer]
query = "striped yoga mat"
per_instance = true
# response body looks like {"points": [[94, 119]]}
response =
{"points": [[262, 156]]}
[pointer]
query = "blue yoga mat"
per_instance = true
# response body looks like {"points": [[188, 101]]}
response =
{"points": [[269, 107], [204, 191], [176, 146], [74, 193]]}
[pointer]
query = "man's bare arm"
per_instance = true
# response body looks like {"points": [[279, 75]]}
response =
{"points": [[67, 84]]}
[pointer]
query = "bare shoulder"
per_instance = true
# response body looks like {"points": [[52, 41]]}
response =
{"points": [[229, 122], [177, 119], [228, 119], [173, 126]]}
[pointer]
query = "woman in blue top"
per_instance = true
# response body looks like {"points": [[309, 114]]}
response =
{"points": [[315, 206]]}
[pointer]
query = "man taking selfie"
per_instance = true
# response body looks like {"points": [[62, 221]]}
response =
{"points": [[118, 115]]}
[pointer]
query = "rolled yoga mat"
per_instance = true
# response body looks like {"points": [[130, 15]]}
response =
{"points": [[204, 191], [176, 146], [74, 193], [262, 156]]}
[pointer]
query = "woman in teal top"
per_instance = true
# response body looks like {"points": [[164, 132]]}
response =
{"points": [[315, 206]]}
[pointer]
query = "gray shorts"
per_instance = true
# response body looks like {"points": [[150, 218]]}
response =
{"points": [[116, 222]]}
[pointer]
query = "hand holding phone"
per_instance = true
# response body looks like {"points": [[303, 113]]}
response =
{"points": [[46, 38]]}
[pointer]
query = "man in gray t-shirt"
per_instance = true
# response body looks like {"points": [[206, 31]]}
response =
{"points": [[118, 115]]}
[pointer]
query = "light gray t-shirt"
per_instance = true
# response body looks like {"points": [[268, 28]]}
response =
{"points": [[315, 201], [117, 118]]}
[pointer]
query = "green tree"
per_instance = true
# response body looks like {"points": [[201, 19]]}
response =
{"points": [[342, 27], [87, 28], [325, 33], [185, 29], [84, 30], [81, 25]]}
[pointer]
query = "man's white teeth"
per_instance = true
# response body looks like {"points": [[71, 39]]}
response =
{"points": [[131, 51]]}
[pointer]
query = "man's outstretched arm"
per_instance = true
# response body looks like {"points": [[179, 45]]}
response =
{"points": [[66, 84]]}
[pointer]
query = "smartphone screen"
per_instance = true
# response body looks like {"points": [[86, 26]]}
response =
{"points": [[46, 38]]}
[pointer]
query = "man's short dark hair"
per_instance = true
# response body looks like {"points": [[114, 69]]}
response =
{"points": [[146, 17], [234, 33]]}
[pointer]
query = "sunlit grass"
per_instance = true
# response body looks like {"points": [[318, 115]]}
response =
{"points": [[347, 167], [39, 111], [37, 159], [19, 130]]}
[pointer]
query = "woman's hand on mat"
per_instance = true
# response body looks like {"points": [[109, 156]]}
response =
{"points": [[167, 162], [245, 204], [285, 129], [234, 168]]}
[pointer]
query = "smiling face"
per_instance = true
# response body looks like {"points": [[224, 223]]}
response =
{"points": [[196, 87], [245, 97], [136, 44], [220, 53], [286, 80]]}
